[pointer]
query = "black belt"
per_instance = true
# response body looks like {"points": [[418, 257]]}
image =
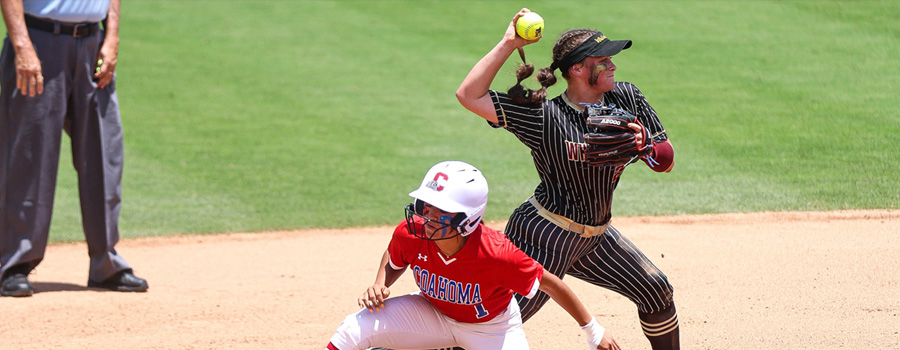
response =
{"points": [[77, 30]]}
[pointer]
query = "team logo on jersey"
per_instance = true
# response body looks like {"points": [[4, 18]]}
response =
{"points": [[433, 184], [444, 289], [577, 152]]}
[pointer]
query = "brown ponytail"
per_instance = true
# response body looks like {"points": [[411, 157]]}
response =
{"points": [[567, 42], [519, 94]]}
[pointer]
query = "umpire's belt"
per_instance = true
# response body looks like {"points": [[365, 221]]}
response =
{"points": [[77, 30], [568, 224]]}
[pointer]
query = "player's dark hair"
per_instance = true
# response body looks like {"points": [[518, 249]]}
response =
{"points": [[518, 93], [567, 42]]}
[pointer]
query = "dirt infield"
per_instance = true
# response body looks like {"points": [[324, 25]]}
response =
{"points": [[827, 280]]}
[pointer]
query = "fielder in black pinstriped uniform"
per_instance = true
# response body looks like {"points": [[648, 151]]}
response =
{"points": [[565, 226]]}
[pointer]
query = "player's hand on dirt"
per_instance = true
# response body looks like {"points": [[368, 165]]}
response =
{"points": [[608, 343], [511, 35], [373, 297], [29, 78], [598, 338]]}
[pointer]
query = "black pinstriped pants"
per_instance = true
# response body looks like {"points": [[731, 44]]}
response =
{"points": [[609, 260]]}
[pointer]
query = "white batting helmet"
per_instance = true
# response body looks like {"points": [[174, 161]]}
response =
{"points": [[454, 187]]}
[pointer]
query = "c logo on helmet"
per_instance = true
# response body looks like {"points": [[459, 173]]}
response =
{"points": [[433, 183]]}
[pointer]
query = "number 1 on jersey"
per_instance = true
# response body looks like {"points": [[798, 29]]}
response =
{"points": [[480, 311]]}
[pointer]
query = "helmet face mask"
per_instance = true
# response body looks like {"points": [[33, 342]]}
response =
{"points": [[453, 187], [428, 229]]}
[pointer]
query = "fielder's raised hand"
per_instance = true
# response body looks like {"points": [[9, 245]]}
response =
{"points": [[511, 35]]}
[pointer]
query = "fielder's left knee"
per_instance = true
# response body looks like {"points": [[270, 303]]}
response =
{"points": [[658, 296]]}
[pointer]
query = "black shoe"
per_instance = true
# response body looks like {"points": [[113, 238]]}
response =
{"points": [[16, 284], [123, 281]]}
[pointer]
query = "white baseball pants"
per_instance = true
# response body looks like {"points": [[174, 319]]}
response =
{"points": [[411, 322]]}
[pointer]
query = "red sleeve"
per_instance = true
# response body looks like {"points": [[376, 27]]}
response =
{"points": [[663, 156], [400, 244], [520, 272]]}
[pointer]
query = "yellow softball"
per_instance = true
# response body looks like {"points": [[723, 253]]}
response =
{"points": [[530, 26]]}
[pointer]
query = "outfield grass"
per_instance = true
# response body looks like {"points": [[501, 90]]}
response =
{"points": [[266, 115]]}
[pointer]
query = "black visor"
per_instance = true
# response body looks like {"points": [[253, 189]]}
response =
{"points": [[598, 45]]}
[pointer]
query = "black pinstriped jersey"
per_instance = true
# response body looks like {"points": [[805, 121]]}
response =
{"points": [[554, 131]]}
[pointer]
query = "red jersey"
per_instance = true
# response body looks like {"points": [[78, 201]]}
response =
{"points": [[475, 284]]}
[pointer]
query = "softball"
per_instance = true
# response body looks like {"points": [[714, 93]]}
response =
{"points": [[530, 26]]}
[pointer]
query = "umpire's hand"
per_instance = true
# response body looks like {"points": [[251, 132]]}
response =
{"points": [[29, 78], [106, 67]]}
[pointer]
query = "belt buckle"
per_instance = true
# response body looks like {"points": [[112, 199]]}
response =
{"points": [[587, 233], [75, 30], [580, 229], [591, 231]]}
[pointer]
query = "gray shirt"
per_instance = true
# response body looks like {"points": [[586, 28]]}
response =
{"points": [[70, 11]]}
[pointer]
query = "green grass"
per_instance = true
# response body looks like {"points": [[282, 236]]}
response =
{"points": [[266, 115]]}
